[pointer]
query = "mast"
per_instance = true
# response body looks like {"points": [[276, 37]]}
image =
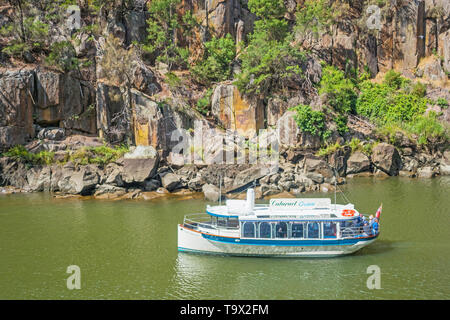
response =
{"points": [[220, 190]]}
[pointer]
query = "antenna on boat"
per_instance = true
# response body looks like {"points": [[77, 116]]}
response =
{"points": [[335, 187], [220, 190]]}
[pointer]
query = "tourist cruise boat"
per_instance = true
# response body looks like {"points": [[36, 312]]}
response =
{"points": [[284, 228]]}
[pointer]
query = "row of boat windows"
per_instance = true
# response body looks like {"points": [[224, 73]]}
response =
{"points": [[296, 230]]}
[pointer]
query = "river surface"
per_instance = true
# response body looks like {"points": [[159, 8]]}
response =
{"points": [[128, 250]]}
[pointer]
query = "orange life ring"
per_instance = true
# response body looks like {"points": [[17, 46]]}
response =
{"points": [[348, 213]]}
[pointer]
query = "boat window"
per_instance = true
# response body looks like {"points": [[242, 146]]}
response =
{"points": [[281, 230], [329, 229], [313, 230], [213, 220], [222, 222], [265, 230], [248, 230], [297, 230], [233, 222], [347, 229]]}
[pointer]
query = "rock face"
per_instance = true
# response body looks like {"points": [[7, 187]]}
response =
{"points": [[16, 107], [358, 162], [65, 101], [236, 113], [386, 158]]}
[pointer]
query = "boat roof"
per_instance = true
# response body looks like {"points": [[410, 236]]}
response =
{"points": [[297, 208]]}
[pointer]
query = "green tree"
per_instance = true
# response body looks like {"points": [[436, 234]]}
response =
{"points": [[270, 59], [216, 63], [311, 121], [162, 28], [315, 17], [339, 90]]}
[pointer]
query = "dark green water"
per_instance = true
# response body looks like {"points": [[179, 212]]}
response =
{"points": [[128, 250]]}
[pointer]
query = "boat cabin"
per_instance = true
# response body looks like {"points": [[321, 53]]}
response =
{"points": [[300, 218]]}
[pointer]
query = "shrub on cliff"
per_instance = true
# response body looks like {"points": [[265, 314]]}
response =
{"points": [[216, 63], [338, 89], [311, 121], [162, 26], [19, 152], [270, 61], [427, 128], [63, 56], [387, 103], [315, 17]]}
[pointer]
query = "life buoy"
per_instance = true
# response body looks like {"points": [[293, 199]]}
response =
{"points": [[348, 213]]}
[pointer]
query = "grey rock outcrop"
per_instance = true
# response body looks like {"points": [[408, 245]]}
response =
{"points": [[386, 158]]}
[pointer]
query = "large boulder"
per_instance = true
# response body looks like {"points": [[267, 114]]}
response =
{"points": [[211, 192], [170, 181], [250, 175], [318, 166], [13, 172], [39, 179], [386, 158], [140, 164], [358, 162], [426, 172], [339, 158], [79, 181]]}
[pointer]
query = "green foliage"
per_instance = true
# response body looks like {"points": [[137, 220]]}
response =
{"points": [[311, 121], [86, 155], [269, 60], [390, 101], [63, 55], [204, 103], [443, 103], [101, 155], [267, 9], [329, 149], [162, 26], [419, 89], [26, 35], [19, 152], [427, 128], [314, 16], [216, 62], [355, 144], [395, 80], [339, 90], [172, 80], [341, 124]]}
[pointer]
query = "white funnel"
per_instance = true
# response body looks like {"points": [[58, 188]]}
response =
{"points": [[250, 200]]}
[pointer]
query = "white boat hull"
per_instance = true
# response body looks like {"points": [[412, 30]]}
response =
{"points": [[195, 241]]}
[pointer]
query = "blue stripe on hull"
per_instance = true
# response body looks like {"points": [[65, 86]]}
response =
{"points": [[285, 243]]}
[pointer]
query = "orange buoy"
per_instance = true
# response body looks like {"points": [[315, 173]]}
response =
{"points": [[348, 213]]}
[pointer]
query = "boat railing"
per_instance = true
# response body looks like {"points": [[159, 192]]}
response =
{"points": [[201, 220], [356, 232]]}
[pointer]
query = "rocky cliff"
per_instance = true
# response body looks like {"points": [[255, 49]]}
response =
{"points": [[76, 77]]}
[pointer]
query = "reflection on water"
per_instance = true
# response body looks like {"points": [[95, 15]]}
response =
{"points": [[127, 250]]}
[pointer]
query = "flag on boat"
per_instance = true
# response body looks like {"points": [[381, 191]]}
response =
{"points": [[377, 215]]}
